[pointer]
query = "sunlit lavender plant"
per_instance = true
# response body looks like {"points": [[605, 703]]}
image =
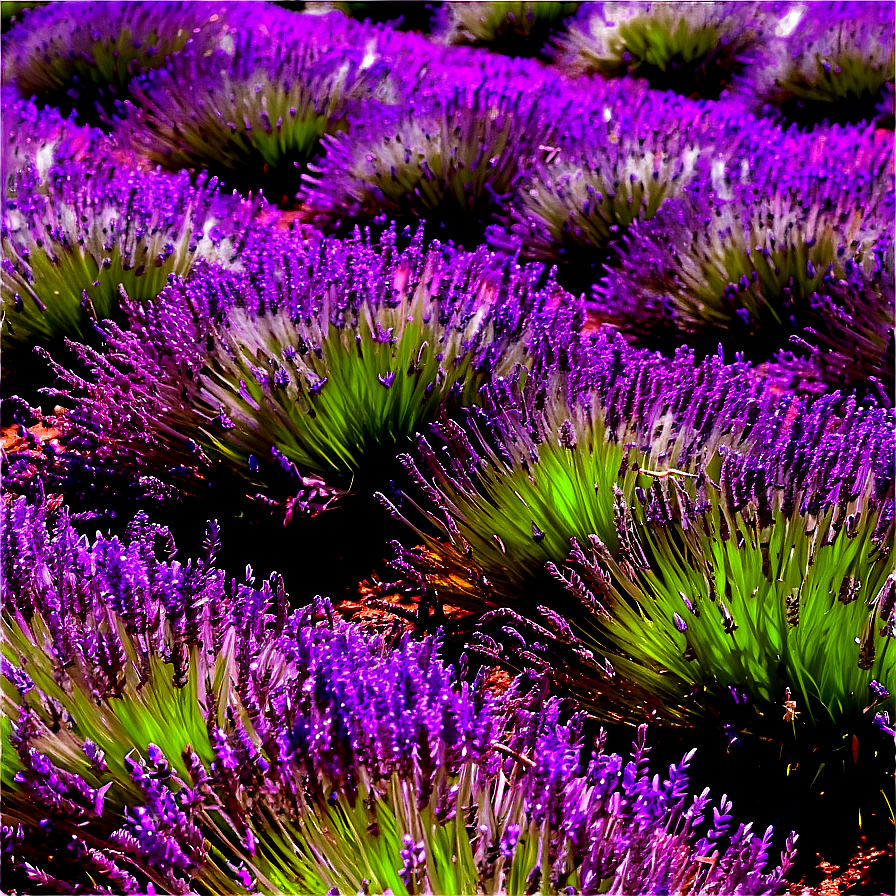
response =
{"points": [[741, 258], [453, 161], [82, 56], [694, 49], [537, 464], [517, 28], [171, 731], [802, 524], [829, 62], [316, 367], [252, 113], [73, 237]]}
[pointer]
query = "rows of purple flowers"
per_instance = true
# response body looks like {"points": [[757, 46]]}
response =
{"points": [[294, 253]]}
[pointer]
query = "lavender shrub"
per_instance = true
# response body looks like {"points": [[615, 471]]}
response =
{"points": [[253, 112], [82, 56], [757, 259], [452, 160], [305, 374]]}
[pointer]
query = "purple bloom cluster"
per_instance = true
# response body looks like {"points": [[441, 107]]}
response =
{"points": [[619, 408], [76, 235], [453, 161], [302, 714], [632, 460], [40, 138], [695, 49], [622, 153], [517, 29], [253, 110], [751, 258]]}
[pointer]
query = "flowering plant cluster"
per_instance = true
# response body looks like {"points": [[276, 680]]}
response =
{"points": [[184, 732], [551, 343]]}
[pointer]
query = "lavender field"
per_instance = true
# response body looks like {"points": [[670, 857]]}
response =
{"points": [[448, 448]]}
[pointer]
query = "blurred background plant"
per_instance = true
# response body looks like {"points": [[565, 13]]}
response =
{"points": [[398, 15], [514, 28], [251, 113], [600, 172], [827, 62], [759, 262], [82, 57], [695, 49]]}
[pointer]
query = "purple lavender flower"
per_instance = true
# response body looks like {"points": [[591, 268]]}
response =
{"points": [[517, 29], [41, 138], [615, 411], [621, 155], [848, 338], [309, 721], [82, 56], [658, 492], [882, 721], [695, 49], [765, 252], [75, 236]]}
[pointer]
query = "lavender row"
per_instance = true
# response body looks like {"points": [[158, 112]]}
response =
{"points": [[172, 730], [804, 63]]}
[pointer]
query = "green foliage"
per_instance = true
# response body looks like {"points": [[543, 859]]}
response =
{"points": [[795, 603], [252, 115], [320, 366]]}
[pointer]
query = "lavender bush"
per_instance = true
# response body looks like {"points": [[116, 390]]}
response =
{"points": [[452, 161], [306, 755], [618, 158], [719, 547], [518, 29], [82, 56], [827, 62], [695, 49], [41, 138], [253, 112], [308, 372], [753, 259], [74, 237]]}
